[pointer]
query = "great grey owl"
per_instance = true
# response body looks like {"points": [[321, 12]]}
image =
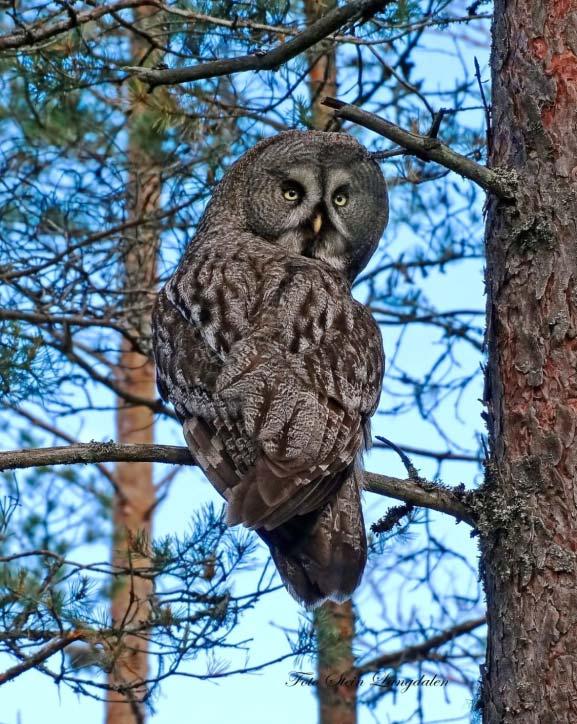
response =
{"points": [[273, 368]]}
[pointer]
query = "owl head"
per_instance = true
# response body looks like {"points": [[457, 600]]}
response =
{"points": [[313, 193]]}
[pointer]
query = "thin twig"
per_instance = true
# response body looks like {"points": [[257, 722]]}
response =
{"points": [[485, 105], [436, 124], [41, 31], [418, 652], [406, 460]]}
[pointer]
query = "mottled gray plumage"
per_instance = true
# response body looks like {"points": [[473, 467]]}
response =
{"points": [[271, 365]]}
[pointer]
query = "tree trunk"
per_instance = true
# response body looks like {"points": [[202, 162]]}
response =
{"points": [[135, 496], [323, 72], [529, 536], [335, 628]]}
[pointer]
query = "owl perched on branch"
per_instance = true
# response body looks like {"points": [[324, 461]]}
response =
{"points": [[273, 368]]}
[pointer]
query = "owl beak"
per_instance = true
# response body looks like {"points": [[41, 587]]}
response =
{"points": [[317, 222]]}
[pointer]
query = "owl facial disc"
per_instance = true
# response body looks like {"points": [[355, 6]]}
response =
{"points": [[315, 194]]}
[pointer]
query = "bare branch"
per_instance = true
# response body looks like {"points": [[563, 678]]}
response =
{"points": [[95, 452], [411, 654], [439, 455], [425, 495], [43, 31], [271, 60], [501, 183], [42, 424], [70, 319], [41, 655]]}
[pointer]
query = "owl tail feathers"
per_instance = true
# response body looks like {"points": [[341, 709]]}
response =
{"points": [[322, 555]]}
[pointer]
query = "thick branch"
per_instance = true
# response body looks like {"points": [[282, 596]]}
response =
{"points": [[501, 183], [433, 495], [95, 452], [40, 656], [426, 495], [421, 495], [271, 60]]}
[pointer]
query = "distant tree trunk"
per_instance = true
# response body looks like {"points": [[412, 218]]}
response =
{"points": [[335, 629], [529, 538], [135, 498], [323, 73], [334, 623]]}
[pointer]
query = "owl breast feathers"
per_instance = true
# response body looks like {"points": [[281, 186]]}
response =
{"points": [[273, 368]]}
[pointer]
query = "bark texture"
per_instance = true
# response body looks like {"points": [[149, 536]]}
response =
{"points": [[529, 534], [135, 496]]}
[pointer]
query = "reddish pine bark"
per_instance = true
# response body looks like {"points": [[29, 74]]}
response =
{"points": [[529, 534], [135, 497], [323, 71], [133, 507]]}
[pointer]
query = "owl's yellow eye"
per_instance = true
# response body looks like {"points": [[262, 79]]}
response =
{"points": [[340, 199], [291, 194]]}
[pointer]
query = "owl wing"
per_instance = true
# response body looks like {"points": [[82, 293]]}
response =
{"points": [[187, 369], [276, 416], [307, 379]]}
